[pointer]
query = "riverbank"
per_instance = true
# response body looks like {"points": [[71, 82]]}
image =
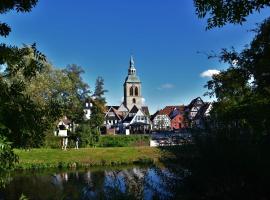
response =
{"points": [[87, 157]]}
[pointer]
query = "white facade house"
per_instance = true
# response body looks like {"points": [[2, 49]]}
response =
{"points": [[137, 120], [161, 122], [194, 107], [140, 117], [63, 126], [200, 120], [112, 117], [87, 110]]}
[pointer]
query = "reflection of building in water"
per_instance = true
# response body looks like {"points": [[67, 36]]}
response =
{"points": [[58, 179], [65, 176], [87, 177], [89, 191]]}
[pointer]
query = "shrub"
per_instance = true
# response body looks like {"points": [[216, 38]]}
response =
{"points": [[7, 160], [52, 141], [7, 157], [88, 136], [123, 140]]}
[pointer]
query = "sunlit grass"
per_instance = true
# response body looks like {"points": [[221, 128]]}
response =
{"points": [[48, 158]]}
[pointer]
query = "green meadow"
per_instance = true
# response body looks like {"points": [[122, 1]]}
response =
{"points": [[86, 157]]}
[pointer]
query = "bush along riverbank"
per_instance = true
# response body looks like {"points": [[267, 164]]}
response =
{"points": [[87, 157], [103, 141]]}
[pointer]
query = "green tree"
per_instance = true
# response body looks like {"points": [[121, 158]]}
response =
{"points": [[99, 104], [243, 90], [97, 111], [99, 90], [19, 6], [22, 118], [77, 93], [13, 60], [7, 160], [221, 12]]}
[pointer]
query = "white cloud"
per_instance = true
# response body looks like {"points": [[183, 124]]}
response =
{"points": [[166, 86], [209, 73], [143, 101]]}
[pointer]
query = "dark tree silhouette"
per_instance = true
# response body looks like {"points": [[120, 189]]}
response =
{"points": [[221, 12], [19, 6]]}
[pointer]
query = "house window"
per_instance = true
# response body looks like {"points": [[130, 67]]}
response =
{"points": [[136, 91]]}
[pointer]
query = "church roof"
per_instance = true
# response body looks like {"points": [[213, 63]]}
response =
{"points": [[131, 114], [146, 110], [135, 109], [132, 79]]}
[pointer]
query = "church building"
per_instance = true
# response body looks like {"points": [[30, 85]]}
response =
{"points": [[133, 101], [132, 88]]}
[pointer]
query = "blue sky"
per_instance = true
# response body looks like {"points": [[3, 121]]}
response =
{"points": [[100, 36]]}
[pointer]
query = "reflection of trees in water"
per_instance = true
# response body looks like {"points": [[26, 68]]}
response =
{"points": [[125, 184], [134, 183], [33, 186], [94, 185], [162, 183], [5, 179]]}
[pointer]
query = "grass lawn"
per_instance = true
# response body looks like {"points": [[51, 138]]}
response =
{"points": [[85, 157]]}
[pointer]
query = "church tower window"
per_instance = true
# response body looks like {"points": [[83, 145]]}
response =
{"points": [[134, 100], [131, 91], [136, 91]]}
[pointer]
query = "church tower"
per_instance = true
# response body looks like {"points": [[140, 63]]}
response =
{"points": [[132, 88]]}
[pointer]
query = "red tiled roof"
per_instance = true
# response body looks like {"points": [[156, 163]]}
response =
{"points": [[168, 109]]}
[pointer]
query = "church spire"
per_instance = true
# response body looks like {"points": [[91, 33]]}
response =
{"points": [[131, 61], [132, 69]]}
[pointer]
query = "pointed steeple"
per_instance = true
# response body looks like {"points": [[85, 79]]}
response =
{"points": [[132, 69], [131, 61]]}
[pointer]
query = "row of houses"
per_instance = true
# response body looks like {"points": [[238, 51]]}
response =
{"points": [[119, 119], [193, 115]]}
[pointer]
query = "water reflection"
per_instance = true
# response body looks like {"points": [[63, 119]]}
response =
{"points": [[128, 183]]}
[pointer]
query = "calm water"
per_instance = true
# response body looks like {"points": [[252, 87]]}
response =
{"points": [[122, 183]]}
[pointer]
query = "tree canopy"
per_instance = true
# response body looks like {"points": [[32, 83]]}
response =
{"points": [[221, 12], [243, 90], [99, 90], [19, 6]]}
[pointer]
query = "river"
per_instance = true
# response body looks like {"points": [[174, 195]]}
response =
{"points": [[130, 182]]}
